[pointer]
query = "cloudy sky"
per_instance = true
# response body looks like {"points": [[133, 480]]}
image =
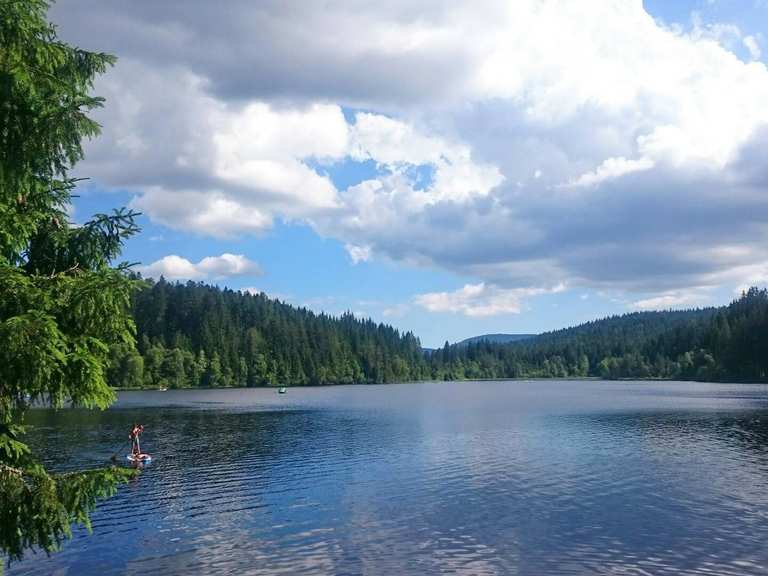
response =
{"points": [[450, 167]]}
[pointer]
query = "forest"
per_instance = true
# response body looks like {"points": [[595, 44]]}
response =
{"points": [[728, 343], [196, 335], [192, 334]]}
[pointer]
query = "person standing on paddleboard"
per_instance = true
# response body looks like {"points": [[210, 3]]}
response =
{"points": [[134, 438]]}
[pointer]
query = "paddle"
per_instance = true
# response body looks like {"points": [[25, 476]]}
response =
{"points": [[114, 456]]}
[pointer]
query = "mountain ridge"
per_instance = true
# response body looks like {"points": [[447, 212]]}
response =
{"points": [[498, 338]]}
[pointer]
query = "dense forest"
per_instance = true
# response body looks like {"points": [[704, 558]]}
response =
{"points": [[198, 335], [729, 343]]}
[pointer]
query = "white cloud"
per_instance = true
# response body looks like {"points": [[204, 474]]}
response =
{"points": [[393, 142], [227, 170], [175, 267], [172, 267], [675, 90], [397, 145], [671, 300], [754, 273], [612, 168], [753, 45], [645, 142], [478, 300], [201, 164], [358, 253], [212, 212], [262, 148], [228, 265], [396, 311]]}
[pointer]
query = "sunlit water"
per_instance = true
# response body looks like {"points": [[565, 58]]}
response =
{"points": [[537, 477]]}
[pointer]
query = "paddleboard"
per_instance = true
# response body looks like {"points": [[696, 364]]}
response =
{"points": [[139, 458]]}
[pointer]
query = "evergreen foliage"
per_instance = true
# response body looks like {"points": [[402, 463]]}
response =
{"points": [[197, 335], [61, 303], [716, 344]]}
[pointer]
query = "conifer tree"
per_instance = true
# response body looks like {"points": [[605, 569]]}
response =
{"points": [[62, 304]]}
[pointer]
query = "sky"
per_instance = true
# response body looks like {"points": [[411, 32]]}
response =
{"points": [[451, 168]]}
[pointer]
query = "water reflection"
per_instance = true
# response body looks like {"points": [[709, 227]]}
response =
{"points": [[492, 478]]}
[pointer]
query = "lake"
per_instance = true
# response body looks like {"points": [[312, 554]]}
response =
{"points": [[518, 477]]}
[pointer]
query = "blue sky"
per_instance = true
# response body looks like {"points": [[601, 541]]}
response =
{"points": [[450, 172]]}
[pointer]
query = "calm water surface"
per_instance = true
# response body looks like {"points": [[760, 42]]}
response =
{"points": [[538, 478]]}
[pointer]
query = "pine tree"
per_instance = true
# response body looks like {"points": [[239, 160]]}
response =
{"points": [[61, 303]]}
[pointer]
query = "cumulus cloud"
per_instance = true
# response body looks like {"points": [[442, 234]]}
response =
{"points": [[669, 301], [225, 170], [261, 148], [523, 144], [175, 267], [396, 146], [612, 168], [478, 300], [358, 253], [209, 212], [206, 166]]}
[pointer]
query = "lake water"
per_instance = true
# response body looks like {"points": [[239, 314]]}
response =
{"points": [[536, 477]]}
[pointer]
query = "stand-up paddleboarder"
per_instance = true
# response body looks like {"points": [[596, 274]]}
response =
{"points": [[134, 438]]}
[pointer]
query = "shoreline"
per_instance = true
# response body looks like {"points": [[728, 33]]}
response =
{"points": [[533, 379]]}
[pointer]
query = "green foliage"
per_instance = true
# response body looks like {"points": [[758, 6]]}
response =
{"points": [[724, 344], [39, 508], [62, 305], [197, 335]]}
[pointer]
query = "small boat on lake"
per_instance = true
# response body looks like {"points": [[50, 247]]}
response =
{"points": [[281, 390]]}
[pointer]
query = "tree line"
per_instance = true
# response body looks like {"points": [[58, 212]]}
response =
{"points": [[728, 343], [192, 334], [196, 335]]}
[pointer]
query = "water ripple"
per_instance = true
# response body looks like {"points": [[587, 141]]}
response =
{"points": [[483, 478]]}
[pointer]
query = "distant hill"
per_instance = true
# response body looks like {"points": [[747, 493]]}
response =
{"points": [[496, 338], [728, 343]]}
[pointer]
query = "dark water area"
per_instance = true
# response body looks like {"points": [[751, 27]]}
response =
{"points": [[527, 478]]}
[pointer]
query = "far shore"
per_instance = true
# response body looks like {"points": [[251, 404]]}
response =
{"points": [[566, 379]]}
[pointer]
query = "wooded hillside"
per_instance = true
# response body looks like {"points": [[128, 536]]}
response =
{"points": [[198, 335]]}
